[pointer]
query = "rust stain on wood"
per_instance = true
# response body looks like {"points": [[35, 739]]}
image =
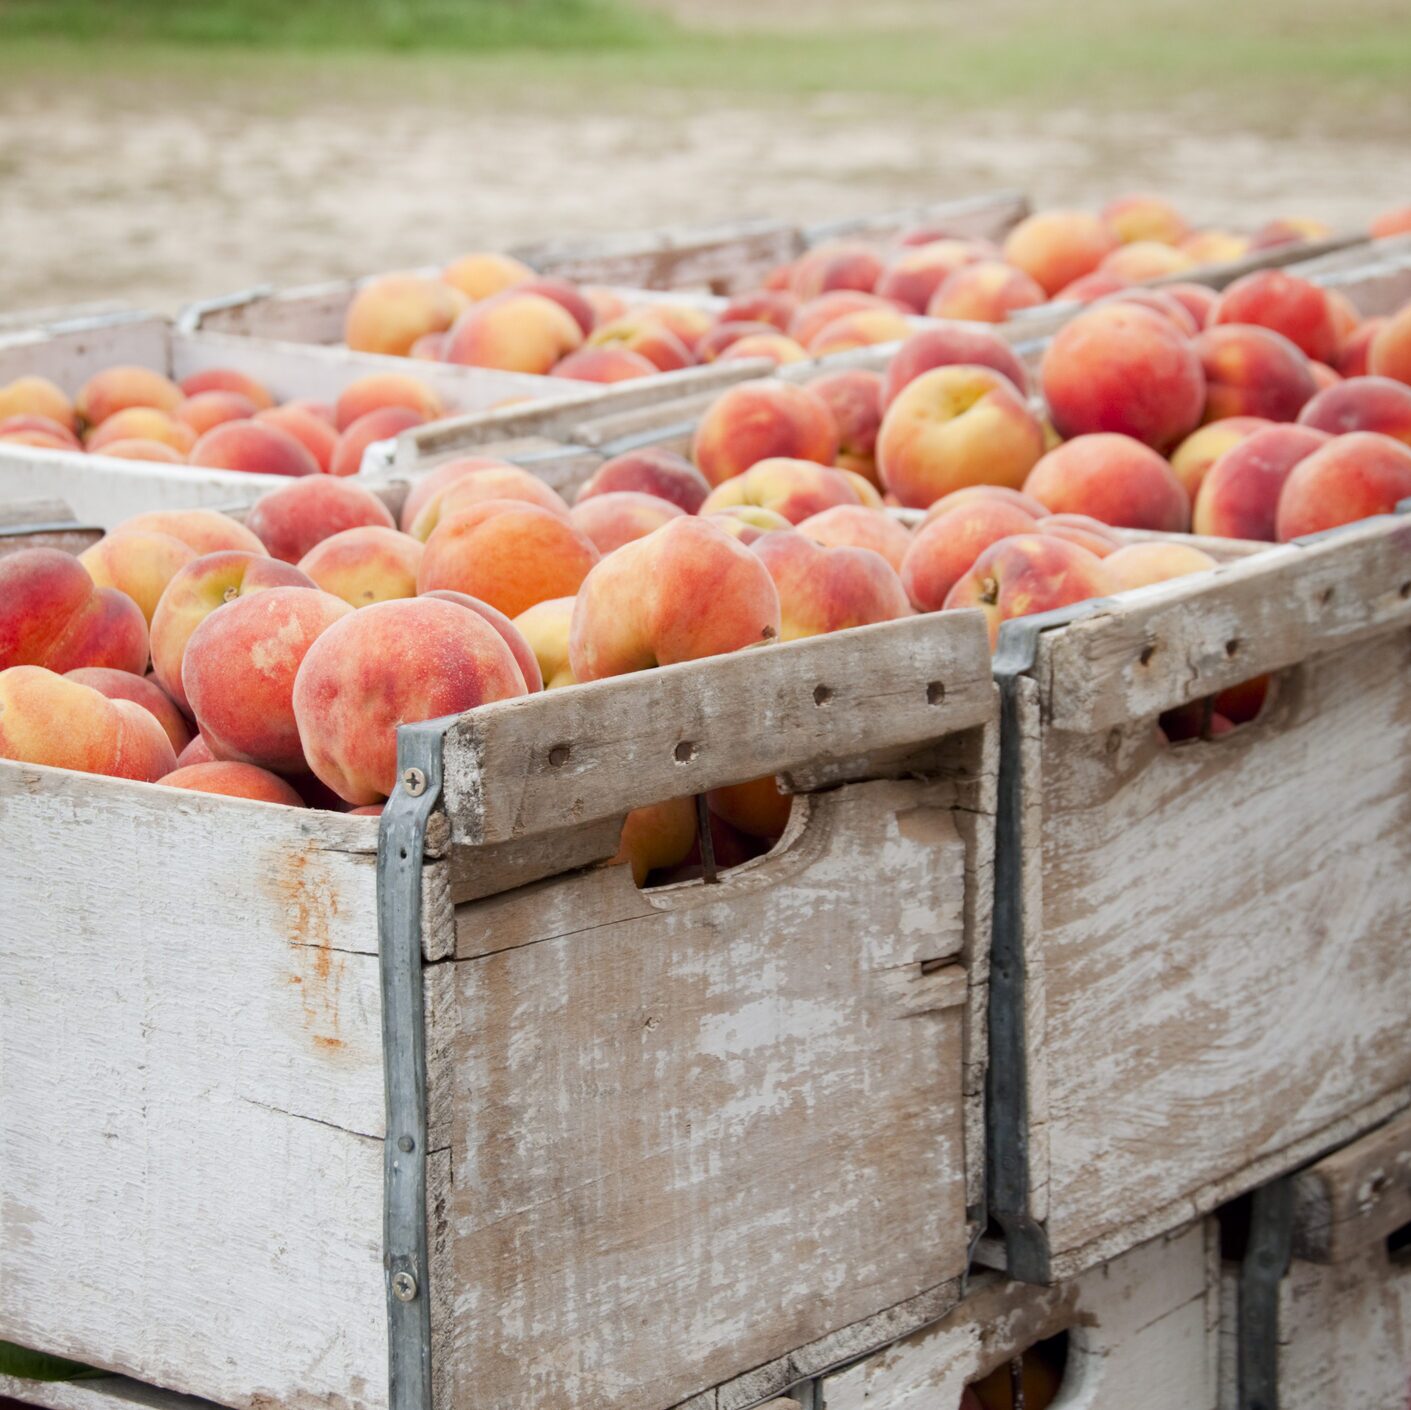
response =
{"points": [[309, 900]]}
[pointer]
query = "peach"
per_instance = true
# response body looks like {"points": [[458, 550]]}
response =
{"points": [[143, 423], [196, 752], [778, 348], [141, 690], [1056, 247], [842, 265], [1141, 564], [37, 396], [256, 448], [657, 836], [1039, 1381], [756, 807], [725, 334], [117, 388], [508, 553], [685, 592], [1324, 376], [866, 328], [607, 303], [513, 332], [1119, 367], [1346, 317], [1081, 529], [1215, 246], [1196, 299], [239, 671], [748, 522], [956, 426], [143, 450], [545, 627], [1134, 219], [1243, 702], [1113, 478], [987, 292], [205, 530], [604, 365], [364, 565], [946, 548], [856, 526], [226, 379], [651, 471], [824, 589], [47, 719], [234, 780], [1239, 497], [1352, 356], [1288, 230], [773, 306], [289, 521], [684, 321], [763, 420], [1389, 354], [207, 410], [384, 424], [482, 273], [1396, 221], [310, 430], [478, 483], [389, 313], [1362, 404], [1350, 478], [568, 296], [1159, 301], [854, 397], [793, 488], [1273, 298], [1029, 573], [645, 334], [392, 664], [430, 347], [1145, 259], [322, 409], [383, 389], [970, 493], [917, 271], [611, 520], [1252, 371], [510, 634], [1192, 459], [137, 562], [815, 315], [1091, 287], [30, 423], [447, 473], [946, 345], [195, 592]]}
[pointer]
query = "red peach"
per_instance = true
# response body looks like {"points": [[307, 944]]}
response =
{"points": [[843, 265], [856, 526], [815, 315], [1159, 301], [1390, 352], [141, 690], [604, 365], [1362, 404], [611, 520], [478, 483], [866, 328], [748, 522], [1215, 246], [448, 472], [1138, 218], [1056, 247], [763, 420], [1192, 459], [1091, 287], [117, 388], [234, 780], [773, 306], [226, 379], [854, 396], [207, 410], [987, 292], [430, 347], [482, 273], [388, 314], [970, 493], [1396, 221], [153, 451], [382, 425], [513, 332], [650, 471], [946, 345], [1197, 300], [568, 297], [139, 563], [1288, 230], [322, 409], [793, 488], [656, 837], [946, 548], [384, 389], [205, 530], [644, 334], [1239, 498], [1273, 298], [1145, 259], [917, 271], [824, 589], [757, 807], [1081, 529], [28, 422], [1324, 376], [685, 322], [545, 628], [37, 396], [365, 565], [289, 521], [1352, 356], [197, 752], [725, 334], [1244, 702], [510, 634], [1352, 477], [311, 431], [1113, 478], [143, 423], [777, 348], [256, 448], [1252, 371], [1141, 564]]}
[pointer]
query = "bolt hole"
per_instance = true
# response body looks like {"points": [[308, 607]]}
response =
{"points": [[684, 752], [1232, 647], [558, 755], [1114, 740], [822, 694], [1405, 590], [769, 633], [1326, 596], [403, 854], [935, 692], [1148, 652], [1380, 1184]]}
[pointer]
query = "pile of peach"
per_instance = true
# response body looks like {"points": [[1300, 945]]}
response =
{"points": [[219, 419]]}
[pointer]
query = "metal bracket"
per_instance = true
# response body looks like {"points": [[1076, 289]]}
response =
{"points": [[1266, 1261], [401, 845], [1006, 1073]]}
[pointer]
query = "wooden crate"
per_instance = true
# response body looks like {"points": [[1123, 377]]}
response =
{"points": [[733, 1119], [1142, 1331]]}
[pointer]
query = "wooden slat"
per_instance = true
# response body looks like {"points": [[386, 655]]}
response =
{"points": [[987, 217], [541, 762], [97, 1393], [43, 523], [1351, 1200]]}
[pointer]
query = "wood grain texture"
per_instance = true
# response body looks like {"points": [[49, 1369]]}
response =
{"points": [[568, 756], [725, 1118], [97, 1393], [1223, 938], [1353, 1199], [191, 1103], [1142, 1332]]}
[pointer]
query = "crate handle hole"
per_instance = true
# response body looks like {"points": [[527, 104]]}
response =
{"points": [[822, 694]]}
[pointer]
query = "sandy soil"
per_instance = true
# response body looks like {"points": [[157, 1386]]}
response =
{"points": [[155, 198]]}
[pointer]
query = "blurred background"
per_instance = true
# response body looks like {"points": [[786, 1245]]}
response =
{"points": [[153, 152]]}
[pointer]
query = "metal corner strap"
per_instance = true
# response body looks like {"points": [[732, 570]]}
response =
{"points": [[1262, 1271], [400, 857]]}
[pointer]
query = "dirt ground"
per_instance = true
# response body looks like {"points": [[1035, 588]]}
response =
{"points": [[121, 190]]}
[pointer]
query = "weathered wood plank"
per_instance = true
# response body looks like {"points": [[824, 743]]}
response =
{"points": [[97, 1393], [986, 217], [43, 523], [543, 762], [702, 1117]]}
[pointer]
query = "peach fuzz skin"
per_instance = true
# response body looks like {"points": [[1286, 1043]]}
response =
{"points": [[53, 615], [205, 530], [195, 592], [1352, 477], [763, 420], [390, 664], [657, 836], [756, 807], [239, 671], [1192, 459], [952, 427], [1389, 353], [1141, 564], [1081, 529], [388, 314], [1362, 404], [685, 592], [917, 271], [1239, 498], [1120, 367], [365, 565], [987, 292], [825, 589], [1272, 298], [662, 473], [137, 563], [604, 365], [611, 520], [1029, 573], [384, 424], [225, 379], [381, 390], [116, 388], [311, 431], [1056, 247], [947, 547], [143, 423], [545, 627], [507, 553], [207, 410], [747, 522], [47, 719], [447, 473], [795, 489], [970, 493], [290, 520], [485, 482], [37, 396], [513, 332], [234, 780], [255, 447], [1116, 480], [123, 685], [1251, 371], [1134, 218], [647, 336], [510, 634], [482, 273], [858, 526], [945, 346]]}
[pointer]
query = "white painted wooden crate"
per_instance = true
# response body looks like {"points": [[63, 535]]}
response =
{"points": [[675, 1135]]}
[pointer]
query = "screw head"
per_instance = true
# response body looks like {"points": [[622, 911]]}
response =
{"points": [[414, 781], [403, 1287], [405, 1144]]}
